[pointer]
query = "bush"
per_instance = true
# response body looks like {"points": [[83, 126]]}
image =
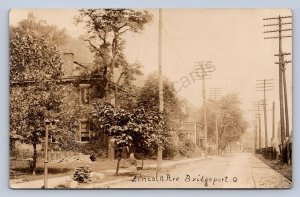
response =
{"points": [[93, 157], [189, 145], [182, 149], [170, 151], [82, 174], [93, 147], [186, 148]]}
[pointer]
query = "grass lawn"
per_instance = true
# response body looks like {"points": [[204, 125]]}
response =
{"points": [[19, 169]]}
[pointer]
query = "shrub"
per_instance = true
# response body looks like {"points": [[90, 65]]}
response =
{"points": [[93, 157], [82, 174], [186, 148], [170, 151], [189, 145], [182, 149], [93, 147]]}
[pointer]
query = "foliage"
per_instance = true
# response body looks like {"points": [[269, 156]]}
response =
{"points": [[82, 174], [93, 147], [72, 112], [35, 69], [105, 29], [189, 145], [170, 150], [126, 127], [93, 157], [231, 123], [186, 148], [148, 98], [131, 129], [41, 28], [182, 149]]}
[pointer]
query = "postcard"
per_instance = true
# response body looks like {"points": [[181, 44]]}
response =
{"points": [[150, 98]]}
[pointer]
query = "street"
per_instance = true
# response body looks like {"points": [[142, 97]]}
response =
{"points": [[242, 170]]}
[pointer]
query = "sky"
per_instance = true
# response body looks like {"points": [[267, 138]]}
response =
{"points": [[232, 39]]}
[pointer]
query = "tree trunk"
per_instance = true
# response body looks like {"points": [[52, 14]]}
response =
{"points": [[118, 163], [223, 149], [34, 159], [284, 154], [143, 161]]}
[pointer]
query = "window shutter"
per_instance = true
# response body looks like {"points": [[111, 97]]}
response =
{"points": [[85, 93]]}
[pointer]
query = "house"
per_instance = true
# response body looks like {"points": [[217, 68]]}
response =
{"points": [[88, 90], [191, 128], [193, 131], [79, 94]]}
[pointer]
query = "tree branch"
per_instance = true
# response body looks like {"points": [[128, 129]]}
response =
{"points": [[121, 32], [92, 45]]}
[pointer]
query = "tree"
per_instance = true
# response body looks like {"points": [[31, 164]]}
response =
{"points": [[148, 98], [231, 123], [130, 129], [41, 28], [105, 31], [35, 70]]}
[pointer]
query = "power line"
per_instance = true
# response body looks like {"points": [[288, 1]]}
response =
{"points": [[265, 85], [284, 114], [215, 93], [203, 69]]}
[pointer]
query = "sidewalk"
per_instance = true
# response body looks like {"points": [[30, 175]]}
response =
{"points": [[53, 182]]}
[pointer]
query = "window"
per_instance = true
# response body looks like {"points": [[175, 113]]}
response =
{"points": [[84, 131], [85, 93]]}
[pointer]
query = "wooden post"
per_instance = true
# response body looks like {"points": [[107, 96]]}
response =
{"points": [[46, 155], [160, 86]]}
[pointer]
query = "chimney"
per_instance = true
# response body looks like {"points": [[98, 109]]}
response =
{"points": [[68, 65]]}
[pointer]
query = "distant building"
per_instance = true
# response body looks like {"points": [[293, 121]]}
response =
{"points": [[191, 128], [193, 131]]}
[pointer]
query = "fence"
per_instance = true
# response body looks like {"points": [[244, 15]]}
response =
{"points": [[271, 153]]}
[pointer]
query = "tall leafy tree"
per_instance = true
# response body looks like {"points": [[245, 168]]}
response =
{"points": [[35, 70], [130, 128], [231, 122], [105, 31], [148, 98]]}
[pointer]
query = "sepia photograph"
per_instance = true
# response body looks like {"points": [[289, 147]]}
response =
{"points": [[113, 98]]}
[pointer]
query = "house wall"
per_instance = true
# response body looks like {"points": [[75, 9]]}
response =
{"points": [[77, 101], [68, 65], [193, 131]]}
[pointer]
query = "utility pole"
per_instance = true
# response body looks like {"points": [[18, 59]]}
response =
{"points": [[203, 69], [284, 121], [160, 86], [273, 126], [254, 133], [47, 123], [259, 129], [255, 117], [265, 85], [255, 130], [215, 93], [205, 121], [257, 108]]}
